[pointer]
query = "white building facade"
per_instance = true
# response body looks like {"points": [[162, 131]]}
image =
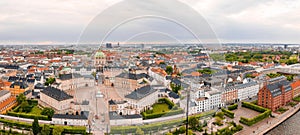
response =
{"points": [[247, 90], [142, 98]]}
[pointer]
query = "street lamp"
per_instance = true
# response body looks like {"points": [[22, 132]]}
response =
{"points": [[187, 110]]}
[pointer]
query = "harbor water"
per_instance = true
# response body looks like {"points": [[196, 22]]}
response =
{"points": [[290, 127]]}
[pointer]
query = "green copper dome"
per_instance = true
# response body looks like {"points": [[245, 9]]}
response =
{"points": [[100, 54]]}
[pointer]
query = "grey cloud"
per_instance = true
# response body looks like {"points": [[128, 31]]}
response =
{"points": [[63, 21]]}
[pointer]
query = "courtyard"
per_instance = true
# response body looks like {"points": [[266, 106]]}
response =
{"points": [[244, 112], [160, 107]]}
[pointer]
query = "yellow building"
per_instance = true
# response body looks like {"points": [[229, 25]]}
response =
{"points": [[18, 87]]}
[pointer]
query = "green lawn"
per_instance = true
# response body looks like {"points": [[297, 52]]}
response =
{"points": [[36, 110], [160, 107], [282, 110]]}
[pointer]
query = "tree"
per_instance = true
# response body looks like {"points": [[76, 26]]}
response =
{"points": [[162, 63], [290, 77], [175, 88], [193, 122], [46, 130], [182, 129], [35, 126], [21, 98], [169, 70], [228, 131], [190, 132], [25, 107], [250, 76], [48, 111], [206, 71], [57, 130], [220, 114], [94, 74], [218, 121], [139, 131], [50, 81], [204, 123]]}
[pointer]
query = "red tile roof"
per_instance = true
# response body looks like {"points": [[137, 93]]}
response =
{"points": [[295, 84]]}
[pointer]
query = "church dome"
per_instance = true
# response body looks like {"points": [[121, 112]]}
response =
{"points": [[100, 54]]}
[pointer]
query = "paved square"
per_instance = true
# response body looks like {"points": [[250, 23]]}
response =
{"points": [[245, 112]]}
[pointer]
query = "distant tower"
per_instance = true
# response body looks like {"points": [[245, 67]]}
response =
{"points": [[143, 46], [108, 45]]}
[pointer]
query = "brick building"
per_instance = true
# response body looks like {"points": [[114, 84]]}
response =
{"points": [[275, 93], [296, 88], [229, 95]]}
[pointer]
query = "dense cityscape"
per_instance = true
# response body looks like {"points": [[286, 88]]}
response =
{"points": [[149, 67], [148, 89]]}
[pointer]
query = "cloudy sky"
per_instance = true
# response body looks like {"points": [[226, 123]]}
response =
{"points": [[64, 21]]}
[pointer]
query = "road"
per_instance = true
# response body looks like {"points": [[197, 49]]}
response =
{"points": [[98, 107]]}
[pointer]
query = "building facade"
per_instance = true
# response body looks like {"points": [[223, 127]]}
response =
{"points": [[229, 95], [72, 120], [56, 98], [275, 93], [160, 75], [205, 100], [247, 90], [296, 88], [142, 98]]}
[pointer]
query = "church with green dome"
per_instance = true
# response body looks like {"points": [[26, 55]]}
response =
{"points": [[99, 60]]}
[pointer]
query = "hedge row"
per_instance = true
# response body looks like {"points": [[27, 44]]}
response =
{"points": [[205, 114], [5, 132], [26, 115], [157, 115], [16, 124], [250, 121], [156, 126], [15, 109], [32, 102], [167, 101], [228, 113], [232, 107], [254, 107], [27, 126], [230, 129], [74, 130], [146, 128]]}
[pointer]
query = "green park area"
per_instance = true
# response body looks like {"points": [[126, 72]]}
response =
{"points": [[164, 107], [274, 75], [206, 71], [30, 109], [160, 107], [263, 56]]}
